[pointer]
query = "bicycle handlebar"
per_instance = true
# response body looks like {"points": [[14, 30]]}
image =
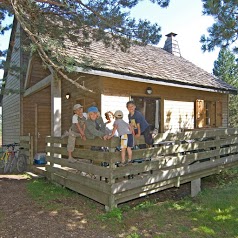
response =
{"points": [[9, 145]]}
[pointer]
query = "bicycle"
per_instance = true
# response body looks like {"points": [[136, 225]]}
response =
{"points": [[21, 161], [7, 157], [12, 159]]}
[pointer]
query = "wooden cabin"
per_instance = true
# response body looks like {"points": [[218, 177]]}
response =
{"points": [[176, 97], [174, 94]]}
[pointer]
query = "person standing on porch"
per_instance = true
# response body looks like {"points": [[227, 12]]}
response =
{"points": [[125, 132], [109, 116], [77, 129], [95, 126], [139, 123]]}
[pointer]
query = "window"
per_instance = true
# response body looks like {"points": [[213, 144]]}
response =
{"points": [[150, 108], [208, 113]]}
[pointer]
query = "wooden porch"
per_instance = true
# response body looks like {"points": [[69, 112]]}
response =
{"points": [[175, 159]]}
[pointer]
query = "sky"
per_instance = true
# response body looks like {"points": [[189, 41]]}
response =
{"points": [[183, 17]]}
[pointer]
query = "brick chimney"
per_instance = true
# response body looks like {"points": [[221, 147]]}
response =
{"points": [[171, 44]]}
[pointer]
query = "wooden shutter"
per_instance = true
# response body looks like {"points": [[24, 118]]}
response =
{"points": [[213, 114], [200, 113], [218, 114]]}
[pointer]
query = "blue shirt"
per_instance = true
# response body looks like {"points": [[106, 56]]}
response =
{"points": [[138, 118]]}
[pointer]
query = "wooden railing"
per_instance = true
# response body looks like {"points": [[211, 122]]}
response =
{"points": [[27, 143], [175, 159]]}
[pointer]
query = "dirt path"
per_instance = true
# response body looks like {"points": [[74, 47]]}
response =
{"points": [[22, 217]]}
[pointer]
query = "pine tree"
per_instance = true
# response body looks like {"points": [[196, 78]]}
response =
{"points": [[226, 68], [48, 23], [224, 32]]}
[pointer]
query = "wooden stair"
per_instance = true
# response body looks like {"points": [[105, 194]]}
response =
{"points": [[38, 170]]}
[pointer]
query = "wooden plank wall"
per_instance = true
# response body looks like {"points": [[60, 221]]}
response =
{"points": [[31, 103], [11, 101], [115, 87], [178, 115], [113, 103], [37, 71], [78, 95], [108, 92], [175, 159]]}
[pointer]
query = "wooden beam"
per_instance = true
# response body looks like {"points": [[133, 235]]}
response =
{"points": [[39, 86], [29, 68]]}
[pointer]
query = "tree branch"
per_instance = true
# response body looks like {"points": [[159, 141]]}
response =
{"points": [[41, 51]]}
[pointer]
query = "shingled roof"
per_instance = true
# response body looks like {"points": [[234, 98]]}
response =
{"points": [[151, 63]]}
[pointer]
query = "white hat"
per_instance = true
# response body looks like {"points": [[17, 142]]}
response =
{"points": [[118, 114], [77, 106]]}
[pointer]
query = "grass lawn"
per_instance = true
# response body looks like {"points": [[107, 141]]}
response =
{"points": [[213, 213]]}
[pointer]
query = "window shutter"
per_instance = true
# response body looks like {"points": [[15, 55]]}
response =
{"points": [[218, 113], [213, 114], [200, 113]]}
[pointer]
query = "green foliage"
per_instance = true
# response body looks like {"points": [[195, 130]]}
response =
{"points": [[45, 193], [144, 206], [115, 213], [226, 68], [225, 177], [51, 26], [133, 235], [223, 32], [49, 23]]}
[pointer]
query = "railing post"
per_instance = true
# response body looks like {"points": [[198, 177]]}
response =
{"points": [[50, 144], [31, 153], [218, 147], [195, 187], [111, 181]]}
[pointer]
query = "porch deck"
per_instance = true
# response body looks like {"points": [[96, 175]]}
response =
{"points": [[187, 157]]}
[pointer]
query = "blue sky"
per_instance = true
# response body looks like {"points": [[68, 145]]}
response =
{"points": [[4, 42], [183, 17]]}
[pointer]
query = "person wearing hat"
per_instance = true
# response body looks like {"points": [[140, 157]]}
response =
{"points": [[125, 132], [77, 129], [95, 126]]}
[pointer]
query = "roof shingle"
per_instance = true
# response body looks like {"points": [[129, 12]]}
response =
{"points": [[150, 62]]}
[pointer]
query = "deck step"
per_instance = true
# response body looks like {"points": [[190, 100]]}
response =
{"points": [[38, 170], [34, 175]]}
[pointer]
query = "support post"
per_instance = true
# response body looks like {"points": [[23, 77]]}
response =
{"points": [[195, 187], [56, 111]]}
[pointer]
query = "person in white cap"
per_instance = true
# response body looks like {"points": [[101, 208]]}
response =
{"points": [[125, 132], [77, 129]]}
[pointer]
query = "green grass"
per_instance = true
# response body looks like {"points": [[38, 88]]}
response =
{"points": [[213, 213], [46, 193]]}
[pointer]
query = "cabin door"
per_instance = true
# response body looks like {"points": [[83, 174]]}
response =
{"points": [[151, 109], [42, 126]]}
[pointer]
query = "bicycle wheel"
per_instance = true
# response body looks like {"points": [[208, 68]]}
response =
{"points": [[13, 164], [8, 164], [21, 163], [2, 161], [1, 164]]}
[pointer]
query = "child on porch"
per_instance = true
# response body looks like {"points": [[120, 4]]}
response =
{"points": [[139, 123], [109, 123], [95, 126], [76, 130], [125, 133]]}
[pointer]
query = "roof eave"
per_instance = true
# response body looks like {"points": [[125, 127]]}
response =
{"points": [[157, 81]]}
